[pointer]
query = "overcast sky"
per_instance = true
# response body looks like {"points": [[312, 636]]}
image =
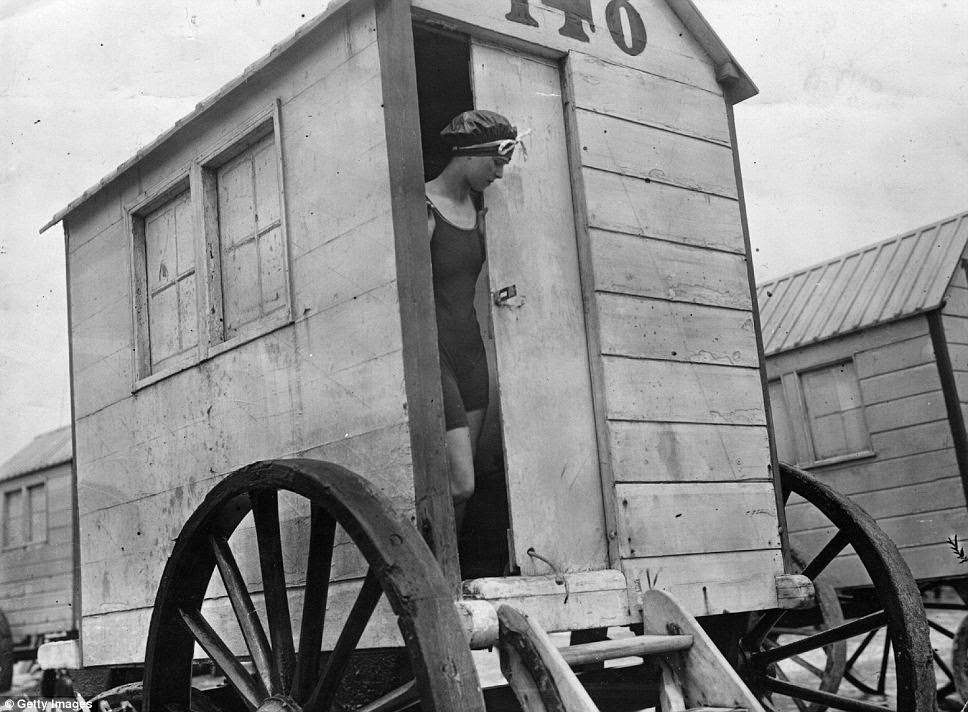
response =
{"points": [[857, 134]]}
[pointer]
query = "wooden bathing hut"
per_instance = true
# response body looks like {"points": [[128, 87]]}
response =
{"points": [[37, 555], [867, 358], [256, 284]]}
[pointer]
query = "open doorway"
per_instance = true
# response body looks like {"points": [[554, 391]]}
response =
{"points": [[444, 90]]}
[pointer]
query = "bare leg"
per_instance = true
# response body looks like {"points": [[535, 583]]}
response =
{"points": [[461, 447], [460, 455]]}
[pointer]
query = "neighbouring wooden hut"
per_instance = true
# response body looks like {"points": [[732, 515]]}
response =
{"points": [[256, 284], [867, 359], [37, 552]]}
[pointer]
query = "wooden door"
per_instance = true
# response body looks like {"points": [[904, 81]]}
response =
{"points": [[544, 386]]}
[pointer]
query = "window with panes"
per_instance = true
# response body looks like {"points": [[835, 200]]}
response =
{"points": [[25, 515], [210, 254], [818, 415]]}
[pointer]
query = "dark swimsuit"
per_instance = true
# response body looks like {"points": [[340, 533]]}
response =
{"points": [[457, 255]]}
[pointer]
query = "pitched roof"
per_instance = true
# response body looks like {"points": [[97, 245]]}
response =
{"points": [[739, 86], [45, 450], [886, 281]]}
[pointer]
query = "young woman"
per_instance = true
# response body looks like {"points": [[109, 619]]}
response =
{"points": [[481, 144]]}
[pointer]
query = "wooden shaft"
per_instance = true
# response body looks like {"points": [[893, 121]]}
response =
{"points": [[252, 630], [638, 646], [220, 654]]}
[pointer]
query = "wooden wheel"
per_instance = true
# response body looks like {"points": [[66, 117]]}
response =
{"points": [[959, 659], [400, 566], [898, 604], [6, 654]]}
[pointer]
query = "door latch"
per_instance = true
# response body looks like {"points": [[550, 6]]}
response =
{"points": [[508, 297]]}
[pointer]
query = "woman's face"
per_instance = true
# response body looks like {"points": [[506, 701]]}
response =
{"points": [[484, 170]]}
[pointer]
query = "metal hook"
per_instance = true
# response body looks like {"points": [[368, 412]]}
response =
{"points": [[559, 577]]}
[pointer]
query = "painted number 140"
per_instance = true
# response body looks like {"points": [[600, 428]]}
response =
{"points": [[578, 13]]}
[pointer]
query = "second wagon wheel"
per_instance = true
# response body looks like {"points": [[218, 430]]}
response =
{"points": [[286, 676], [898, 605]]}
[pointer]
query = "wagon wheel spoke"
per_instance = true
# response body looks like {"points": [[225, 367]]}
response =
{"points": [[398, 562], [800, 704], [826, 555], [860, 650], [402, 698], [882, 674], [941, 629], [366, 602], [859, 684], [798, 692], [219, 652], [252, 630], [806, 665], [265, 513], [322, 534], [826, 637]]}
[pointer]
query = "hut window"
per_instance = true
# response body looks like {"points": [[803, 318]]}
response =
{"points": [[24, 516], [13, 527], [250, 233], [171, 303], [36, 523], [834, 411]]}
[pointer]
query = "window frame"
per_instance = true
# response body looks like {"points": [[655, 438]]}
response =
{"points": [[136, 216], [26, 526], [803, 436], [199, 178]]}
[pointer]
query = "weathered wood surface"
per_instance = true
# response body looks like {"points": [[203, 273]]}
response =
{"points": [[705, 677], [36, 580], [594, 598], [911, 484], [539, 676], [708, 516], [659, 329], [331, 385], [634, 206], [431, 470], [653, 268], [683, 392], [649, 99], [683, 399], [671, 51], [680, 452], [554, 490], [711, 583]]}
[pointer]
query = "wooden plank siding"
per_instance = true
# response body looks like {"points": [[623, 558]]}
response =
{"points": [[912, 484], [328, 384], [36, 579], [682, 405]]}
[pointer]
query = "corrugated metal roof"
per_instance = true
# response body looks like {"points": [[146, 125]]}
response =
{"points": [[888, 280], [45, 450]]}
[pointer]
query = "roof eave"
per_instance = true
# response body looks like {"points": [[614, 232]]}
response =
{"points": [[730, 74], [200, 108]]}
